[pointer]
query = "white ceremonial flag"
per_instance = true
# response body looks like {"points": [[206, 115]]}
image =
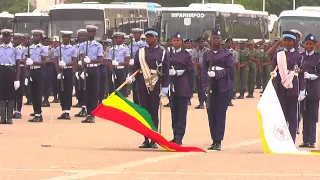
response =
{"points": [[274, 132]]}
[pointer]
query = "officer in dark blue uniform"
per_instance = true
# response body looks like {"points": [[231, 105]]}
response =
{"points": [[9, 76], [217, 69], [67, 58], [17, 39], [310, 113], [180, 66], [37, 60]]}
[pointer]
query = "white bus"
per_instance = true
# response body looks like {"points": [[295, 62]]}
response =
{"points": [[198, 22], [108, 18], [26, 22], [6, 20], [304, 21]]}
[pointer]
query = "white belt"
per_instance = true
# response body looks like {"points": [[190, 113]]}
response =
{"points": [[218, 68], [66, 67], [3, 64], [153, 71], [21, 65], [92, 65], [119, 67], [35, 67]]}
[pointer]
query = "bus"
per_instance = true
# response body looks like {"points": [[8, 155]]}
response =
{"points": [[26, 22], [109, 18], [6, 20], [196, 22], [220, 6], [304, 21], [154, 11]]}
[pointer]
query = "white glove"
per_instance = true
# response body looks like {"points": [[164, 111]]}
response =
{"points": [[80, 63], [180, 72], [83, 75], [26, 81], [211, 74], [29, 62], [87, 60], [77, 75], [115, 63], [310, 76], [16, 85], [273, 74], [131, 62], [62, 63], [59, 76], [172, 72], [302, 95]]}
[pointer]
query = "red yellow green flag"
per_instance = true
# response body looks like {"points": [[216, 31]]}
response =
{"points": [[120, 110]]}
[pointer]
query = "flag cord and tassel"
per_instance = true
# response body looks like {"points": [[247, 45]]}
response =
{"points": [[127, 81]]}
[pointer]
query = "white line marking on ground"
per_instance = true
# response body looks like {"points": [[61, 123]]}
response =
{"points": [[151, 160]]}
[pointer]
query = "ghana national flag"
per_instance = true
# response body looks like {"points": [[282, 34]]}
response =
{"points": [[120, 110]]}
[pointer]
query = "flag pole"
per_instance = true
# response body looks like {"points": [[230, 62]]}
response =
{"points": [[127, 81]]}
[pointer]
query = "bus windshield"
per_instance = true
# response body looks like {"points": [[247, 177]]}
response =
{"points": [[25, 24], [305, 25], [75, 19], [6, 23]]}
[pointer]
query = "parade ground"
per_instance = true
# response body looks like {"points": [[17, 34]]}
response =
{"points": [[108, 151]]}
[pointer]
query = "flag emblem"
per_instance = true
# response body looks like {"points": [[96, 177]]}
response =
{"points": [[281, 132]]}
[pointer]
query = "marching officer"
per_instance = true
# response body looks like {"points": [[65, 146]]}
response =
{"points": [[9, 76], [180, 65], [91, 52], [134, 46], [188, 47], [243, 68], [289, 87], [38, 58], [199, 52], [66, 55], [49, 71], [149, 94], [229, 46], [17, 39], [103, 68], [119, 58], [218, 64], [80, 89], [311, 67]]}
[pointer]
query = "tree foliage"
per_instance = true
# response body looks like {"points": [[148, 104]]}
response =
{"points": [[14, 6]]}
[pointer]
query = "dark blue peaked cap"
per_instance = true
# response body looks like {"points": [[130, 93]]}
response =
{"points": [[151, 31], [216, 32], [310, 37], [289, 34], [176, 35]]}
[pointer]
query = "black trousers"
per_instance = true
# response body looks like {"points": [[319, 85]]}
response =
{"points": [[179, 110], [92, 88], [37, 76], [120, 78], [7, 76], [80, 92], [20, 91], [66, 95], [103, 82], [48, 84]]}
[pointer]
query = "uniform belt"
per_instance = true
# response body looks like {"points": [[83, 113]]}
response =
{"points": [[119, 67], [35, 67], [218, 68], [66, 67], [92, 65], [4, 64]]}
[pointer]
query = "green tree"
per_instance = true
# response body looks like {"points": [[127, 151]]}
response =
{"points": [[14, 6]]}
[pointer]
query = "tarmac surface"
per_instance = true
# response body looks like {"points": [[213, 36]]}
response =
{"points": [[108, 151]]}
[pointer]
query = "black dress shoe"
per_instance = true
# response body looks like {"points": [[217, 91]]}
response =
{"points": [[215, 147], [45, 104], [311, 145], [56, 101], [82, 113], [89, 119], [167, 105], [32, 114], [64, 116], [28, 103], [153, 145], [304, 145], [298, 131], [240, 97], [77, 105], [36, 119], [201, 106], [9, 121], [145, 145], [17, 115], [3, 121], [173, 141], [230, 104], [250, 96]]}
